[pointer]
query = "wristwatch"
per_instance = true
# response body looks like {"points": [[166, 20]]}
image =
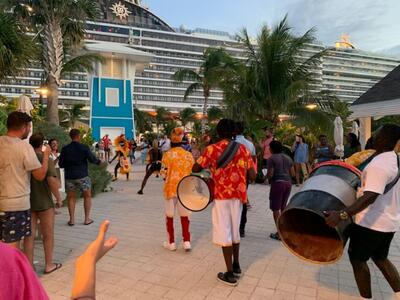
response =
{"points": [[344, 215]]}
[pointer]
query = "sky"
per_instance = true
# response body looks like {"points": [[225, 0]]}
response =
{"points": [[373, 25]]}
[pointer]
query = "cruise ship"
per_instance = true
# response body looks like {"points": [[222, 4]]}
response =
{"points": [[345, 71]]}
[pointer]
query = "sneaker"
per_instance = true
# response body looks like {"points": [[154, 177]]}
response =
{"points": [[275, 236], [187, 246], [170, 246], [237, 271], [227, 278]]}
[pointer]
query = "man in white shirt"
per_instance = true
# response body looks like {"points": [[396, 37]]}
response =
{"points": [[377, 213], [252, 149], [165, 144], [17, 162]]}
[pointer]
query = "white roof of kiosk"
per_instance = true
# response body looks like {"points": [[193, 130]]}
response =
{"points": [[117, 50], [383, 99]]}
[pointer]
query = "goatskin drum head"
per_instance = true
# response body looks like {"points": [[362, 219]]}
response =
{"points": [[194, 193]]}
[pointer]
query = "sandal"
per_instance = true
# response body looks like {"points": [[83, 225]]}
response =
{"points": [[88, 223], [58, 266], [70, 224]]}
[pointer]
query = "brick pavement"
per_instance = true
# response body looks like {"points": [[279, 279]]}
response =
{"points": [[140, 268]]}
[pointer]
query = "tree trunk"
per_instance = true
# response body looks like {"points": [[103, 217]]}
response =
{"points": [[52, 58], [204, 119], [52, 102]]}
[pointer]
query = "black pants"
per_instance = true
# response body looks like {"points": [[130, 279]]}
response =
{"points": [[116, 170], [243, 219]]}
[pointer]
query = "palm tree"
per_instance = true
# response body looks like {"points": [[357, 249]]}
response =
{"points": [[161, 116], [16, 48], [187, 115], [142, 121], [72, 115], [59, 27], [207, 77], [276, 77], [214, 113]]}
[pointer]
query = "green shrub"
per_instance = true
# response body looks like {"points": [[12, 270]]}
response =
{"points": [[100, 178], [51, 131]]}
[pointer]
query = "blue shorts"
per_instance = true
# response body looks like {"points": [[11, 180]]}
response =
{"points": [[15, 225]]}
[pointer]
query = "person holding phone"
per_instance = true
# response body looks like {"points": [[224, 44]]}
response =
{"points": [[18, 162], [42, 208]]}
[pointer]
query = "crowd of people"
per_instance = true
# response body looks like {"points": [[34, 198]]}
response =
{"points": [[30, 192]]}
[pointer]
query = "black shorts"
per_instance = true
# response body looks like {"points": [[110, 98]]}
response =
{"points": [[366, 243], [15, 225]]}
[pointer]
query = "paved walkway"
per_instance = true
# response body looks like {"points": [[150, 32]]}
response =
{"points": [[140, 268]]}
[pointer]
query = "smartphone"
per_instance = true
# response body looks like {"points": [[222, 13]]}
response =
{"points": [[45, 143]]}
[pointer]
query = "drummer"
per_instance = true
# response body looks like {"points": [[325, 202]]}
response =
{"points": [[377, 213], [229, 194], [176, 164]]}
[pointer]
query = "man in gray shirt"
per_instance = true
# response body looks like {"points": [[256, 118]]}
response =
{"points": [[17, 162], [252, 149]]}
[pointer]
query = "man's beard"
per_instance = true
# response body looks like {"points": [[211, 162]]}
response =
{"points": [[25, 135]]}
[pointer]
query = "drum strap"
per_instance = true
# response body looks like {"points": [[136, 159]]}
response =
{"points": [[228, 154], [393, 183]]}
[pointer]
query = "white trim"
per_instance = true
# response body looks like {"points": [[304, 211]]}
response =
{"points": [[376, 109]]}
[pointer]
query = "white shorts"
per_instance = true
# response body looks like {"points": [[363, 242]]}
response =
{"points": [[226, 215], [172, 205]]}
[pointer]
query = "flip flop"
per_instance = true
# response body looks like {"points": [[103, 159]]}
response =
{"points": [[90, 222], [58, 266], [70, 224]]}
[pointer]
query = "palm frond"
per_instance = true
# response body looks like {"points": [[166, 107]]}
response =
{"points": [[16, 48], [191, 89], [81, 63], [186, 74]]}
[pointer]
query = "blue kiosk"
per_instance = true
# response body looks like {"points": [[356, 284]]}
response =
{"points": [[111, 88]]}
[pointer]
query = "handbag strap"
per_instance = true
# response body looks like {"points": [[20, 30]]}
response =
{"points": [[228, 154], [393, 183]]}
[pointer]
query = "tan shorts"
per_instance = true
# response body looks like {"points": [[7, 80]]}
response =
{"points": [[172, 205], [226, 216]]}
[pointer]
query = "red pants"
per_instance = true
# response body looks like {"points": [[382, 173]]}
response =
{"points": [[185, 229]]}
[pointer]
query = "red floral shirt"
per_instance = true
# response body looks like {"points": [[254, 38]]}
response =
{"points": [[230, 182]]}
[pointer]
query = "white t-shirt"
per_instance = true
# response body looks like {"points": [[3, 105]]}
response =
{"points": [[384, 214], [17, 159], [165, 145]]}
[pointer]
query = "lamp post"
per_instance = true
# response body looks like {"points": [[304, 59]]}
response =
{"points": [[43, 92]]}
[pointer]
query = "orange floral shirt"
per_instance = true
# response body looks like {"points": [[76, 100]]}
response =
{"points": [[176, 164], [231, 181]]}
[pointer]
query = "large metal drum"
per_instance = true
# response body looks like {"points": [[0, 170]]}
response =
{"points": [[302, 228]]}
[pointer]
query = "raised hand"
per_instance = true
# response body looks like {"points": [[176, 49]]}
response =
{"points": [[100, 246]]}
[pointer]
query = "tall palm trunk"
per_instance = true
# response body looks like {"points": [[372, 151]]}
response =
{"points": [[52, 61], [205, 109], [52, 101]]}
